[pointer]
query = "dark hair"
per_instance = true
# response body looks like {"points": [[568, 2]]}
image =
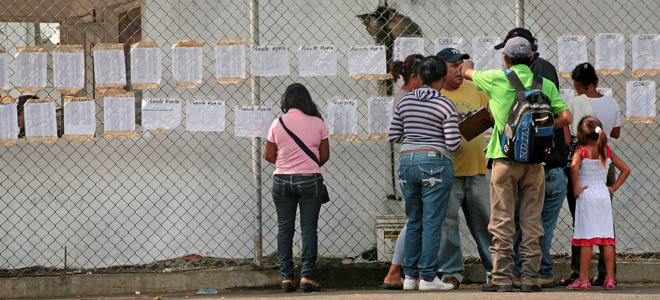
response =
{"points": [[405, 68], [519, 60], [432, 68], [297, 96], [585, 74], [22, 99], [587, 131]]}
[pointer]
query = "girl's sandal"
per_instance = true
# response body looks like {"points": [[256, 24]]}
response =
{"points": [[582, 285], [609, 284]]}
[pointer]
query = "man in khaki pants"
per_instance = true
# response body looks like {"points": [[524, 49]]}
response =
{"points": [[513, 182]]}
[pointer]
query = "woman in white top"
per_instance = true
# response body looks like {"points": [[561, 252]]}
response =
{"points": [[589, 102]]}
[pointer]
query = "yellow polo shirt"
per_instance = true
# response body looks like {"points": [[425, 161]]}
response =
{"points": [[469, 160]]}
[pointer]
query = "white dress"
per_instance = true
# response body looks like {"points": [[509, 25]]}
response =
{"points": [[593, 208]]}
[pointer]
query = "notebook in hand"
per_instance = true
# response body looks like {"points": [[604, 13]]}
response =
{"points": [[475, 124]]}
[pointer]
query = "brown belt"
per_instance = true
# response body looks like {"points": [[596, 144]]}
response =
{"points": [[420, 150]]}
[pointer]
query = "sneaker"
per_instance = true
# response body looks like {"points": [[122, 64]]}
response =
{"points": [[546, 283], [435, 285], [491, 287], [453, 280], [409, 284]]}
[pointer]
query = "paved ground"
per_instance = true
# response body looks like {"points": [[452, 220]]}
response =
{"points": [[468, 292]]}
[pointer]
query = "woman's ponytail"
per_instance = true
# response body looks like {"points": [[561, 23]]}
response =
{"points": [[396, 69], [602, 145]]}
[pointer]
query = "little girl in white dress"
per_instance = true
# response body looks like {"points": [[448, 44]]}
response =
{"points": [[593, 209]]}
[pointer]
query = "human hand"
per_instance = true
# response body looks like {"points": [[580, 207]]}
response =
{"points": [[580, 190], [611, 189]]}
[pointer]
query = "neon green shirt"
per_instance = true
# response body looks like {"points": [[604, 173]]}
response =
{"points": [[501, 94]]}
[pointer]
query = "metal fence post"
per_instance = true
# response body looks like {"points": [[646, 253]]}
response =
{"points": [[520, 13], [255, 99]]}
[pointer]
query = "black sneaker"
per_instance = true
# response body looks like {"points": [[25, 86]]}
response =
{"points": [[491, 287], [530, 288]]}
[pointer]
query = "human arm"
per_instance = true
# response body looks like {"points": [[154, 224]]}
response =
{"points": [[324, 151], [452, 134], [563, 119], [396, 127], [567, 136], [270, 153], [466, 69], [624, 171], [616, 132], [575, 169]]}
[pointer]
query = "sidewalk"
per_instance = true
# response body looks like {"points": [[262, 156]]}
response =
{"points": [[468, 292]]}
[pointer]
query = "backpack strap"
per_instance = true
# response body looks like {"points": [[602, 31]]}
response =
{"points": [[537, 82], [515, 81]]}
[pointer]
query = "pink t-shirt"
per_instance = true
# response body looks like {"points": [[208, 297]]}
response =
{"points": [[290, 158]]}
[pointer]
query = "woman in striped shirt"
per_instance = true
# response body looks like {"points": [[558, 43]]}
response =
{"points": [[425, 123]]}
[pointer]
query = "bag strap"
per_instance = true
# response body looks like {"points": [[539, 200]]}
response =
{"points": [[300, 143], [537, 82], [515, 81]]}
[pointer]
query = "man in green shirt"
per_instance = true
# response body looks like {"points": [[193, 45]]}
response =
{"points": [[512, 181]]}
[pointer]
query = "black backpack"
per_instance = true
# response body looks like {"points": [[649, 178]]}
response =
{"points": [[528, 133]]}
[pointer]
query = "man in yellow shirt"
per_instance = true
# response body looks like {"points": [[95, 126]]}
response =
{"points": [[470, 190]]}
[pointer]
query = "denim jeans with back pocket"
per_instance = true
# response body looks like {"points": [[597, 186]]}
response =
{"points": [[289, 192], [426, 181]]}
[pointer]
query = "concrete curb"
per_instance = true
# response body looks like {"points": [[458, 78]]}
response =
{"points": [[349, 276]]}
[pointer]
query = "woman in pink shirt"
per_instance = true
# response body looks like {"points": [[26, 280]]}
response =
{"points": [[297, 181]]}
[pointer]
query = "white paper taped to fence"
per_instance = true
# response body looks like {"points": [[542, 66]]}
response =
{"points": [[161, 113], [4, 71], [567, 94], [146, 69], [8, 122], [605, 91], [109, 66], [252, 121], [187, 63], [540, 47], [342, 120], [610, 53], [119, 115], [230, 61], [367, 63], [270, 60], [457, 43], [640, 101], [205, 115], [31, 66], [79, 118], [380, 117], [69, 68], [317, 60], [645, 55], [404, 46], [571, 51], [40, 121], [484, 54]]}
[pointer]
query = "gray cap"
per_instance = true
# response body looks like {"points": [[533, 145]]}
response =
{"points": [[517, 47]]}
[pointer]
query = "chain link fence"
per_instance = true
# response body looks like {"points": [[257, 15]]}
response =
{"points": [[159, 198]]}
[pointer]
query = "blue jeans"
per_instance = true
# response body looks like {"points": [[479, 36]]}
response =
{"points": [[426, 180], [555, 192], [472, 194], [290, 191]]}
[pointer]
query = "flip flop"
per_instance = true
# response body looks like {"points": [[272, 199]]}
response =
{"points": [[308, 287], [396, 286]]}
